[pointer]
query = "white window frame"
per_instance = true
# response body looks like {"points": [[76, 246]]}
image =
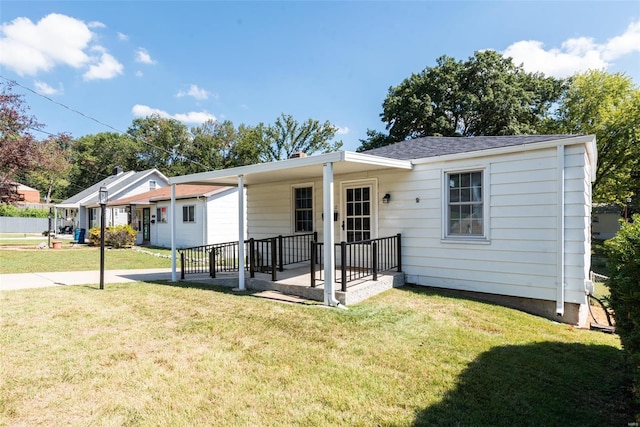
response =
{"points": [[152, 184], [294, 187], [189, 218], [486, 197]]}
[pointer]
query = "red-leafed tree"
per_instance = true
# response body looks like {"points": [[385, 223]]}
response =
{"points": [[18, 148]]}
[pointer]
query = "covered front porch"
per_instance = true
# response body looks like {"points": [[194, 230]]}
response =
{"points": [[290, 217], [294, 265]]}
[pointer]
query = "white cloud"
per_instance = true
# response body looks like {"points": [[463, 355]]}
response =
{"points": [[107, 67], [56, 40], [139, 73], [122, 37], [45, 89], [625, 44], [342, 130], [143, 56], [575, 55], [195, 92], [196, 117], [29, 48]]}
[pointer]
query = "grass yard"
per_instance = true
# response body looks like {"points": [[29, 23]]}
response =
{"points": [[154, 354], [77, 258]]}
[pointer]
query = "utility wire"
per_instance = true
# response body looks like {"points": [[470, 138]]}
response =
{"points": [[14, 82]]}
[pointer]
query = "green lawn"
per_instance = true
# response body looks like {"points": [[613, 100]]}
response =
{"points": [[78, 257], [161, 354]]}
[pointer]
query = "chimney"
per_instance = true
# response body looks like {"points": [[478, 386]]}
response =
{"points": [[117, 170], [298, 155]]}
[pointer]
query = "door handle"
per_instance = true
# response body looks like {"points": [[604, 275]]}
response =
{"points": [[342, 225]]}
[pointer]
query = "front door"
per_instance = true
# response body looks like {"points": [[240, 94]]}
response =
{"points": [[358, 213], [146, 225]]}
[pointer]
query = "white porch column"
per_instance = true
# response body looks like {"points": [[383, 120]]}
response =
{"points": [[172, 215], [241, 286], [328, 233]]}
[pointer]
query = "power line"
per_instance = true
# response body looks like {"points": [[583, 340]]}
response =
{"points": [[97, 121]]}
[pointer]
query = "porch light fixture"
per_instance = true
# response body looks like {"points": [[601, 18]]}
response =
{"points": [[103, 198], [386, 198]]}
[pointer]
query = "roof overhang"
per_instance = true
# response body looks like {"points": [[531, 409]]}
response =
{"points": [[300, 169]]}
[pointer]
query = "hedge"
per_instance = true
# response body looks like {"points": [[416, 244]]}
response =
{"points": [[13, 211], [623, 252]]}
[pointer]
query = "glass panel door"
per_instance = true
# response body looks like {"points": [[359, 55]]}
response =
{"points": [[146, 224], [357, 222]]}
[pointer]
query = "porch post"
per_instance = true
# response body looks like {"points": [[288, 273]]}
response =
{"points": [[241, 286], [328, 233], [173, 233]]}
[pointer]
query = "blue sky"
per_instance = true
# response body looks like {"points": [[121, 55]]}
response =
{"points": [[248, 62]]}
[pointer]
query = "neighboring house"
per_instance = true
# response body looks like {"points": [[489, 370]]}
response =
{"points": [[505, 217], [82, 210], [31, 195], [605, 221], [13, 192], [206, 214]]}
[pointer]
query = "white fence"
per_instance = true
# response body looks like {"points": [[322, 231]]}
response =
{"points": [[23, 225]]}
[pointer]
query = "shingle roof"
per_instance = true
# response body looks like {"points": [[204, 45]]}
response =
{"points": [[115, 184], [433, 146]]}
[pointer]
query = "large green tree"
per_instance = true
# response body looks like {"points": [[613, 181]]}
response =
{"points": [[287, 137], [485, 95], [94, 157], [164, 144], [607, 105], [51, 174]]}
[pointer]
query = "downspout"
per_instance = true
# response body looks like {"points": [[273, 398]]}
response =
{"points": [[241, 285], [560, 234], [328, 236], [174, 277]]}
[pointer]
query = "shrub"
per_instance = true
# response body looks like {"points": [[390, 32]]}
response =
{"points": [[13, 211], [94, 236], [623, 252], [117, 237], [120, 236]]}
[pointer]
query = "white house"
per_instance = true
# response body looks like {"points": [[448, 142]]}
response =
{"points": [[82, 209], [205, 214], [507, 217]]}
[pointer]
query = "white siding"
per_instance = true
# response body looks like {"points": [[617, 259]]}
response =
{"points": [[188, 234], [519, 256], [222, 217], [216, 221]]}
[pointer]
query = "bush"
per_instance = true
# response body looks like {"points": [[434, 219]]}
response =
{"points": [[117, 237], [94, 236], [120, 236], [623, 252], [13, 211]]}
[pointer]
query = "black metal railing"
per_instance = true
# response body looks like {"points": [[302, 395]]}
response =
{"points": [[357, 260], [218, 257], [261, 255]]}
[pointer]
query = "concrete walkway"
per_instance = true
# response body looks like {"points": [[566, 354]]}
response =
{"points": [[40, 280]]}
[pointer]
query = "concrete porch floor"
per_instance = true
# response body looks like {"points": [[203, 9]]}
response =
{"points": [[296, 280]]}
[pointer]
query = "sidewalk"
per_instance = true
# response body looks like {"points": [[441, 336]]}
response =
{"points": [[40, 280]]}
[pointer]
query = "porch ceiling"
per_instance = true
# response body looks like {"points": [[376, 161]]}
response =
{"points": [[299, 169]]}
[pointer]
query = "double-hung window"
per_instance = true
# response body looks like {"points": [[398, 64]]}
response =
{"points": [[162, 214], [465, 208], [303, 209], [189, 213]]}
